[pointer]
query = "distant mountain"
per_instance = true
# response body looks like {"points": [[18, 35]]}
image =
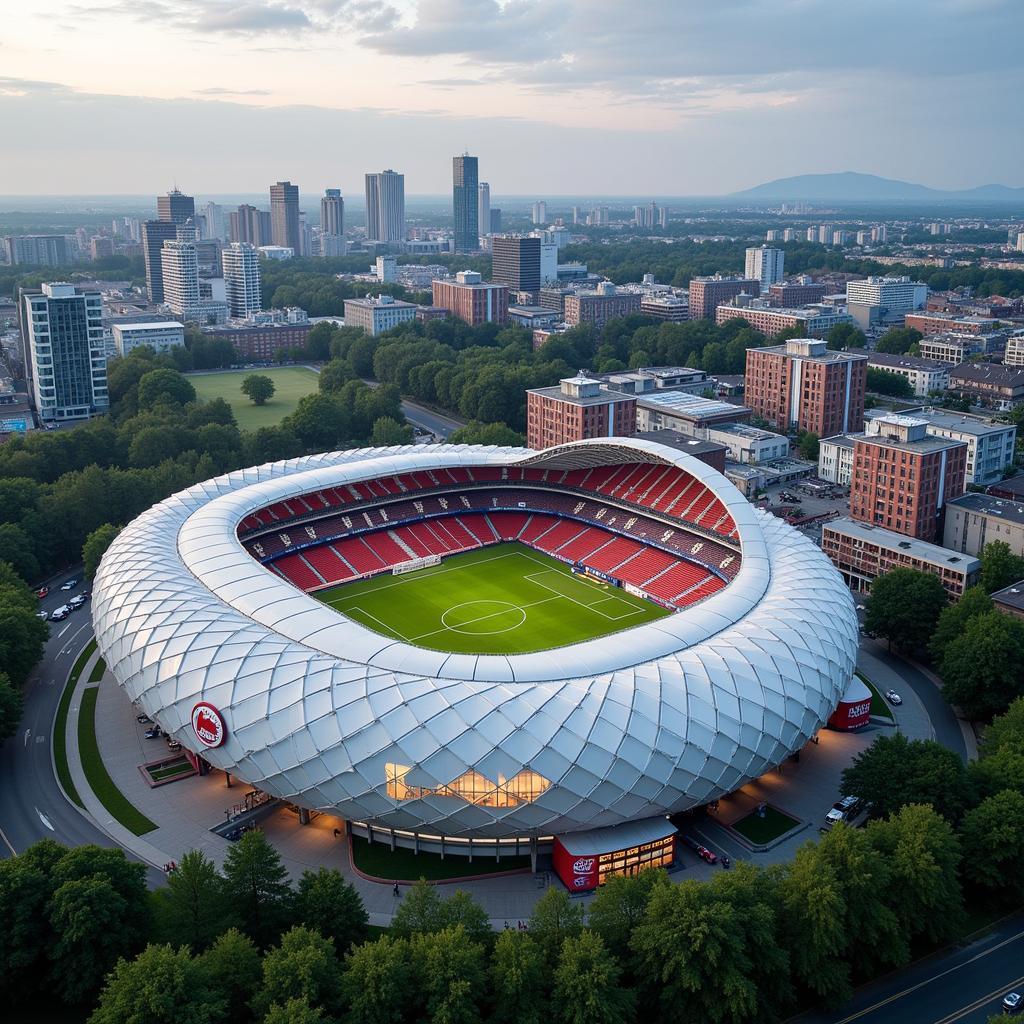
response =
{"points": [[851, 185]]}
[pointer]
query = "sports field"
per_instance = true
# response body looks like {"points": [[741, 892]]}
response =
{"points": [[290, 384], [506, 599]]}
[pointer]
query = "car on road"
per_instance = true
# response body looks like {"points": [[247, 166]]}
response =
{"points": [[77, 601], [69, 585], [702, 851], [42, 592], [893, 697], [42, 614], [1013, 1002], [59, 614]]}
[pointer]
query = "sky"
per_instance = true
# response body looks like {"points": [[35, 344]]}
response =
{"points": [[556, 97]]}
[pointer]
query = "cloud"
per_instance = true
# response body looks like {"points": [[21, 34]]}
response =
{"points": [[216, 90], [23, 86], [252, 19], [451, 83]]}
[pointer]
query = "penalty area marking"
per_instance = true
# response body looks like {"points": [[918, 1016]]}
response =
{"points": [[532, 577]]}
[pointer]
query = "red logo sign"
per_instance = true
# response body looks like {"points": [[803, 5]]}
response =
{"points": [[208, 725]]}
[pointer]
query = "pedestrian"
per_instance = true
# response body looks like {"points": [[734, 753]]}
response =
{"points": [[396, 888]]}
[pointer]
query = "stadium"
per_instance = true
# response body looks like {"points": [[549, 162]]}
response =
{"points": [[471, 648]]}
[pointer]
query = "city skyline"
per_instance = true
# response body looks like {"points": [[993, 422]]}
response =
{"points": [[681, 101]]}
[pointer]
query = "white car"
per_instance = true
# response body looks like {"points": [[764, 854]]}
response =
{"points": [[61, 613], [893, 697], [69, 585], [76, 602], [41, 614]]}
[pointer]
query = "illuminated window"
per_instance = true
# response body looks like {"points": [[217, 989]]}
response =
{"points": [[472, 787]]}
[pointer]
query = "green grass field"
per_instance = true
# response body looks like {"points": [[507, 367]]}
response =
{"points": [[507, 599], [290, 382]]}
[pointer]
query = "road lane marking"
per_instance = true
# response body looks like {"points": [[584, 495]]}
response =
{"points": [[7, 842], [46, 821], [978, 1003]]}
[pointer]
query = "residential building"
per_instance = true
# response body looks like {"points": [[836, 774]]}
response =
{"points": [[748, 445], [988, 384], [599, 306], [794, 294], [175, 207], [247, 224], [242, 279], [533, 317], [881, 299], [925, 376], [470, 299], [332, 223], [658, 378], [990, 446], [64, 351], [862, 552], [974, 520], [180, 268], [213, 218], [260, 342], [1010, 600], [576, 410], [814, 321], [465, 202], [385, 207], [766, 264], [284, 216], [515, 261], [378, 314], [386, 269], [159, 335], [495, 221], [483, 208], [953, 348], [803, 385], [665, 306], [36, 250], [688, 413], [1014, 355], [708, 293], [835, 458], [540, 212], [944, 323], [101, 247], [154, 234], [548, 262], [903, 477]]}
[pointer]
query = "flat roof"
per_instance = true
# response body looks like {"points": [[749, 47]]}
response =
{"points": [[960, 422], [905, 362], [828, 356], [596, 841], [687, 404], [925, 445], [604, 398], [681, 442], [841, 440], [909, 545], [989, 505], [148, 325], [1011, 596]]}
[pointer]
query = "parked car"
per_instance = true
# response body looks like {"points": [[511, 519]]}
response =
{"points": [[69, 584], [42, 614], [1013, 1002], [842, 810], [702, 851], [42, 592], [59, 614], [893, 697], [76, 602]]}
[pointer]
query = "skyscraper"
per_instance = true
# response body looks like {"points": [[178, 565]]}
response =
{"points": [[180, 267], [332, 223], [242, 278], [465, 196], [213, 213], [175, 207], [540, 212], [154, 234], [284, 216], [766, 265], [483, 208], [516, 262], [250, 225], [65, 356], [385, 206]]}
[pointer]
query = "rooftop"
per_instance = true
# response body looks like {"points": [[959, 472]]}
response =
{"points": [[906, 362], [1011, 596], [987, 505], [960, 422], [812, 349], [921, 549], [687, 404], [989, 373], [147, 325], [842, 440], [681, 442]]}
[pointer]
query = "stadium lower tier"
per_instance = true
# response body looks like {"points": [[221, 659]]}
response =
{"points": [[668, 578]]}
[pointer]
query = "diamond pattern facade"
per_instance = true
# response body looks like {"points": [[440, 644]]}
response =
{"points": [[319, 710]]}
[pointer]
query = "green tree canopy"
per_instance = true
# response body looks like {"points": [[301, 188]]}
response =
{"points": [[885, 382], [898, 340], [11, 707], [193, 907], [258, 387], [904, 607], [164, 385], [476, 432], [954, 617], [555, 918], [809, 444], [257, 887], [588, 988], [620, 905], [232, 968], [95, 547], [332, 906], [303, 966], [844, 336], [1000, 567], [517, 980], [388, 431], [379, 985], [450, 971], [983, 668], [994, 833], [17, 550]]}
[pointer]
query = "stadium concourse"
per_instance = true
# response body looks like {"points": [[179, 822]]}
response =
{"points": [[457, 645]]}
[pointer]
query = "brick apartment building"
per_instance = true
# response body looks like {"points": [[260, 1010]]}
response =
{"points": [[576, 410], [263, 342], [802, 385], [769, 320], [708, 293], [790, 294], [600, 306], [470, 299], [940, 323], [902, 476]]}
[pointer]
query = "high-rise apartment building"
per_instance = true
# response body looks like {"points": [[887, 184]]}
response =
{"points": [[902, 476], [242, 279], [516, 262], [65, 354], [175, 207], [708, 293], [483, 208], [578, 409], [284, 216], [180, 267], [803, 385], [766, 264], [495, 221], [332, 223], [154, 234], [36, 250], [465, 200], [540, 212], [385, 207], [470, 299], [213, 218], [248, 224]]}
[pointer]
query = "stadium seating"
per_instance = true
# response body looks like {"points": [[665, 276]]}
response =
{"points": [[508, 524], [326, 562], [641, 567], [610, 555], [296, 570], [361, 557], [677, 578], [560, 534]]}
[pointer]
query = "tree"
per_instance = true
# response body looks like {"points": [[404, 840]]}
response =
{"points": [[555, 918], [983, 668], [476, 432], [388, 431], [335, 375], [193, 906], [232, 968], [955, 617], [258, 387], [1000, 567], [894, 772], [257, 887], [305, 967], [994, 833], [904, 607], [809, 445], [95, 547], [845, 336], [326, 902], [517, 980], [897, 340], [159, 986], [620, 905], [378, 982], [885, 382], [295, 1011], [587, 987], [11, 707], [421, 910], [17, 550], [450, 975], [164, 385], [319, 421]]}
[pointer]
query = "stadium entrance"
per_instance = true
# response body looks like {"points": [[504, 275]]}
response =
{"points": [[585, 860]]}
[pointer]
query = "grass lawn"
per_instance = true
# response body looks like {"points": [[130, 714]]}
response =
{"points": [[97, 671], [290, 384], [507, 599], [879, 705], [99, 780], [60, 725], [763, 830], [379, 860]]}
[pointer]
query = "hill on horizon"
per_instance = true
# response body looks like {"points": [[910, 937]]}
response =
{"points": [[847, 185]]}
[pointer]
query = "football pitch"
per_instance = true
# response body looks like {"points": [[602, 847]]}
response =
{"points": [[505, 599]]}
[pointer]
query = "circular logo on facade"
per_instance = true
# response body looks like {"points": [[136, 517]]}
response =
{"points": [[208, 725], [583, 866]]}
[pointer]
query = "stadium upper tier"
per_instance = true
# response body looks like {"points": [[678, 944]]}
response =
{"points": [[323, 711]]}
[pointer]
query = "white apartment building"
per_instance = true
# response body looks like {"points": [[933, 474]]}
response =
{"points": [[540, 212], [241, 261], [483, 208], [159, 335], [1014, 350], [386, 269], [924, 375], [548, 262], [65, 355], [893, 294], [748, 445], [765, 265], [376, 315], [990, 446], [835, 458], [385, 206]]}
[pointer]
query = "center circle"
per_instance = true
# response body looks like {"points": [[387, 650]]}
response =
{"points": [[483, 618]]}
